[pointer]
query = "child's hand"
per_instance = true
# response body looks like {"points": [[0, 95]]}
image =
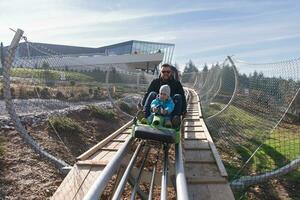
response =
{"points": [[154, 109], [163, 111]]}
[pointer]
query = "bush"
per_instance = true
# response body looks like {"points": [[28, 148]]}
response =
{"points": [[31, 94], [60, 95], [90, 91], [96, 94], [83, 96], [38, 90], [1, 93], [100, 113], [1, 147], [22, 93], [45, 93], [12, 92], [125, 107], [65, 125]]}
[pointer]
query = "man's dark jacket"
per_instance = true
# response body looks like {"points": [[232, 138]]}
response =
{"points": [[176, 88]]}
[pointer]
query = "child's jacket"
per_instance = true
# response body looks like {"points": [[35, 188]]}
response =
{"points": [[167, 105]]}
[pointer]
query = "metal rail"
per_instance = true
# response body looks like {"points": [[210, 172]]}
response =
{"points": [[164, 178], [123, 181], [152, 179], [138, 178], [181, 186], [97, 188]]}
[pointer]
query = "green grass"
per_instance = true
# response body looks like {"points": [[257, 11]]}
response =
{"points": [[65, 125], [278, 149], [49, 74], [101, 113], [125, 107]]}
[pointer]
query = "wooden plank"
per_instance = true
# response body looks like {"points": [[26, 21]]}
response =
{"points": [[204, 156], [193, 129], [108, 157], [192, 118], [210, 192], [102, 155], [207, 180], [118, 140], [128, 131], [200, 111], [196, 144], [88, 182], [110, 145], [221, 191], [198, 192], [194, 111], [71, 183], [214, 150], [201, 170], [98, 155], [92, 162], [192, 123], [92, 150], [124, 136], [109, 149], [194, 107], [192, 115], [194, 135]]}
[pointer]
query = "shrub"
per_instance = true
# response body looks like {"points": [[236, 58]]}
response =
{"points": [[83, 96], [45, 93], [90, 91], [96, 94], [22, 93], [100, 113], [1, 93], [12, 92], [1, 147], [125, 107], [60, 95], [65, 125], [31, 94], [38, 90], [72, 83]]}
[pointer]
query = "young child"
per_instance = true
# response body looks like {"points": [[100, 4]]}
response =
{"points": [[163, 105]]}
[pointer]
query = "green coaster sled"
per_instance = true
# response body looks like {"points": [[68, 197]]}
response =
{"points": [[156, 131]]}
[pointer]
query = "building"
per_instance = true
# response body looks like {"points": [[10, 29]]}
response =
{"points": [[131, 55]]}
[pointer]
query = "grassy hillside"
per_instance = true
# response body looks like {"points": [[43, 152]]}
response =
{"points": [[279, 147], [50, 74]]}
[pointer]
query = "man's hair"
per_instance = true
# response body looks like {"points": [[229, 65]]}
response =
{"points": [[166, 65], [175, 74]]}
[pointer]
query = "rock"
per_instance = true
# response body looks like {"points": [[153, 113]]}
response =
{"points": [[6, 127]]}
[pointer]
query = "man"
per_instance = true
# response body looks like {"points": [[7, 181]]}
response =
{"points": [[177, 94]]}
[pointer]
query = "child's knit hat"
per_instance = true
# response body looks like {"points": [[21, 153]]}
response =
{"points": [[165, 89]]}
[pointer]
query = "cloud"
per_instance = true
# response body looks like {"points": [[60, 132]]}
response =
{"points": [[201, 30]]}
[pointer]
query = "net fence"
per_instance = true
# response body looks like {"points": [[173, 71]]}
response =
{"points": [[62, 105], [252, 112]]}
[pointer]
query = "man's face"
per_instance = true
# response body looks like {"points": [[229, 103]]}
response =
{"points": [[165, 73]]}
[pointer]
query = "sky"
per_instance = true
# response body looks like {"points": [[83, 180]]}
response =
{"points": [[255, 31]]}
